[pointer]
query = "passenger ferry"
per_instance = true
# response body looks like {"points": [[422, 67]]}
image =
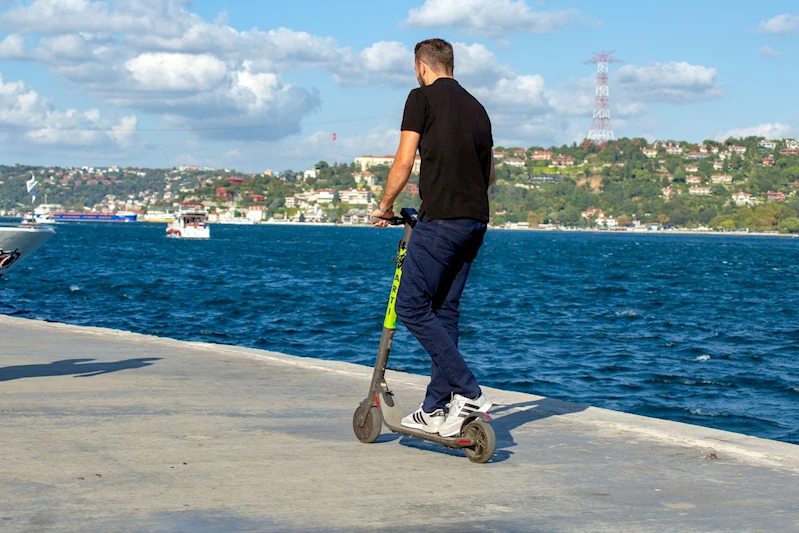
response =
{"points": [[90, 216], [191, 223], [158, 216], [53, 213]]}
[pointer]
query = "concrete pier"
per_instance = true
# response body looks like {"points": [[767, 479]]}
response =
{"points": [[103, 430]]}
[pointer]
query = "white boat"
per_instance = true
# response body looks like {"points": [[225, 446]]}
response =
{"points": [[18, 241], [230, 217], [43, 214], [158, 216], [237, 220], [191, 223]]}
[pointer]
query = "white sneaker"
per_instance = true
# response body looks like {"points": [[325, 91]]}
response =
{"points": [[459, 408], [428, 422]]}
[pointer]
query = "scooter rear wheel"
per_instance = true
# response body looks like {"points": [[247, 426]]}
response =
{"points": [[485, 441], [371, 426]]}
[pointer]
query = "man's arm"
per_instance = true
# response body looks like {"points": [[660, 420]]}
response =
{"points": [[492, 176], [399, 175]]}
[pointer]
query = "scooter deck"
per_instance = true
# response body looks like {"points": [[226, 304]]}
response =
{"points": [[392, 418]]}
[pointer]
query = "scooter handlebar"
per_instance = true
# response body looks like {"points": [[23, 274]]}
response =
{"points": [[393, 221]]}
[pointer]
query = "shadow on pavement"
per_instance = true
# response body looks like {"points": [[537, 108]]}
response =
{"points": [[80, 368]]}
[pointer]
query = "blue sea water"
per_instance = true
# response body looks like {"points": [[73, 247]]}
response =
{"points": [[698, 329]]}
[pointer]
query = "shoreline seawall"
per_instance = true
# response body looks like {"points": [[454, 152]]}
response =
{"points": [[104, 429]]}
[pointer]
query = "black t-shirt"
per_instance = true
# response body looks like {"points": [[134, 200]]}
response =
{"points": [[455, 147]]}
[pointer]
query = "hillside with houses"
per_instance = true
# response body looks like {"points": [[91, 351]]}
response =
{"points": [[737, 185]]}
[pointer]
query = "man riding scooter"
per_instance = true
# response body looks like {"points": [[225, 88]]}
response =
{"points": [[452, 132]]}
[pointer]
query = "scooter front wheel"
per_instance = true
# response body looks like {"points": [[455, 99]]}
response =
{"points": [[485, 441], [371, 425]]}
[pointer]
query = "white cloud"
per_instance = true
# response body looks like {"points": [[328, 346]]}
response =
{"points": [[242, 104], [176, 72], [388, 62], [676, 82], [493, 18], [13, 47], [477, 64], [769, 130], [159, 17], [40, 123], [779, 25], [520, 94], [156, 56], [767, 51]]}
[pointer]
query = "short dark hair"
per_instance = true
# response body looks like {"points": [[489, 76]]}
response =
{"points": [[437, 53]]}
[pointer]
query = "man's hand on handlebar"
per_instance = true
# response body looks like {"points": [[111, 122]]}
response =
{"points": [[381, 218]]}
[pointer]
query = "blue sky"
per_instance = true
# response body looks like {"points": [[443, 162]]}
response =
{"points": [[256, 85]]}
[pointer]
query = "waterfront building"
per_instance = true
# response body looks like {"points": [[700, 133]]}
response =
{"points": [[356, 196], [356, 217], [325, 196], [368, 161], [257, 213]]}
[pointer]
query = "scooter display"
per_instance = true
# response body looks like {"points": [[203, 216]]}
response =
{"points": [[476, 439]]}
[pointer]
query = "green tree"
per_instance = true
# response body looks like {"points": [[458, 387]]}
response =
{"points": [[789, 225]]}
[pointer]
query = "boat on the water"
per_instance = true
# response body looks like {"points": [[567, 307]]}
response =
{"points": [[40, 215], [158, 216], [91, 216], [54, 213], [191, 223], [18, 241], [240, 221]]}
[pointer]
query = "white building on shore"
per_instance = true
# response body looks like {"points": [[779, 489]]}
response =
{"points": [[368, 161], [356, 196]]}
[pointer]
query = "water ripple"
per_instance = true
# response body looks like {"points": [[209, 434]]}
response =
{"points": [[694, 329]]}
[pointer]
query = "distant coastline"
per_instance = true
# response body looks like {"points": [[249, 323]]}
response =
{"points": [[660, 232], [499, 228]]}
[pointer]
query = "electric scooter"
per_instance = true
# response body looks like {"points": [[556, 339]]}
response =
{"points": [[476, 439]]}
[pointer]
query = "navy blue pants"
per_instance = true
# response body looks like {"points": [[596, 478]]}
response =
{"points": [[440, 254]]}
